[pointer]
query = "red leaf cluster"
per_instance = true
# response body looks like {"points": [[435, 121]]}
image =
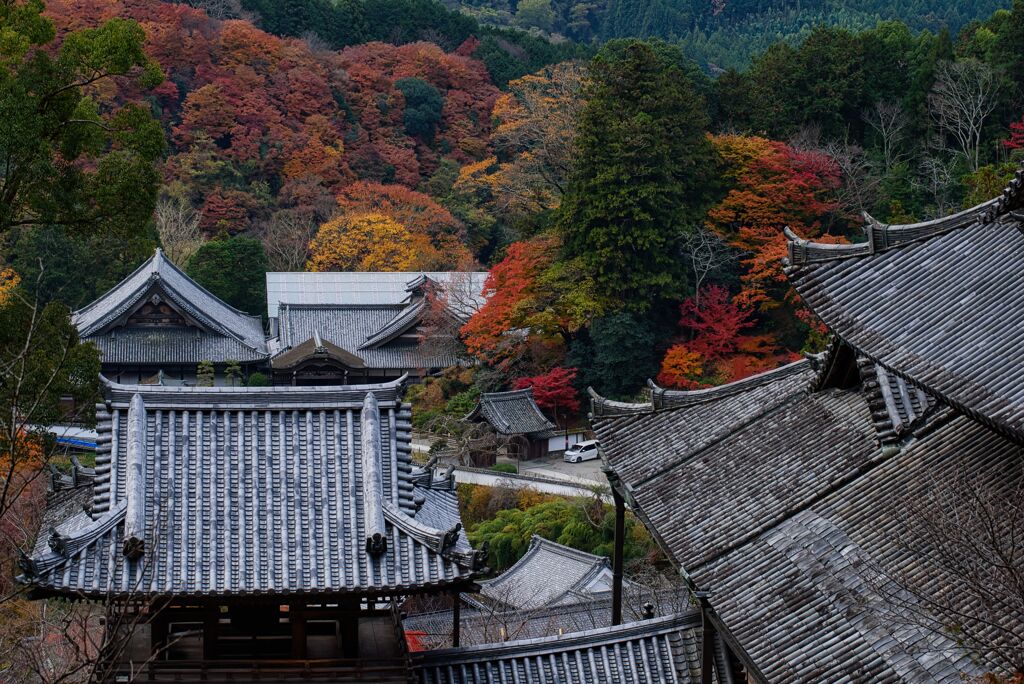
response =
{"points": [[553, 391]]}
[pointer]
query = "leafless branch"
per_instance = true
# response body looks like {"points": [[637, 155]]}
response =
{"points": [[964, 95]]}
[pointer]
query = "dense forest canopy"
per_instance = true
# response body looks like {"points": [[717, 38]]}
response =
{"points": [[722, 34], [385, 135], [351, 148]]}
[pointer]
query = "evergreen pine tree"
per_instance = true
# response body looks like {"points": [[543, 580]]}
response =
{"points": [[645, 171]]}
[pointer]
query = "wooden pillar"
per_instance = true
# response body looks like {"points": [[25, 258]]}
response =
{"points": [[211, 626], [456, 619], [707, 655], [158, 634], [349, 628], [617, 556], [297, 618]]}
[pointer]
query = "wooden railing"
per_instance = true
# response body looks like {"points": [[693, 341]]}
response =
{"points": [[350, 669]]}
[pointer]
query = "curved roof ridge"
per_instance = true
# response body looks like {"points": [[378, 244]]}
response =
{"points": [[386, 392], [539, 545], [640, 628], [435, 538], [543, 543], [882, 236], [93, 317], [602, 406], [64, 546], [668, 398]]}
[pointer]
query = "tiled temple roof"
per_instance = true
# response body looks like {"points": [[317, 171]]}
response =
{"points": [[547, 574], [659, 651], [222, 491], [222, 332], [165, 346], [574, 613], [780, 501], [315, 348], [512, 413], [939, 303], [362, 288], [353, 327]]}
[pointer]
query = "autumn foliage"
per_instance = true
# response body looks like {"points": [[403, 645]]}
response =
{"points": [[365, 242], [509, 288], [260, 123], [419, 214], [719, 343], [1016, 139], [774, 186], [681, 368], [553, 391]]}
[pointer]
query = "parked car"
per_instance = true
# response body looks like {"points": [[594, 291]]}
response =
{"points": [[582, 451]]}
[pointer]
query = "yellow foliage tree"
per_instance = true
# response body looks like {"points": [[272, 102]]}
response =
{"points": [[533, 140], [8, 281], [367, 242]]}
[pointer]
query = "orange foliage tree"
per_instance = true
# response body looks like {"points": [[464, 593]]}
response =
{"points": [[416, 212], [681, 368], [535, 126], [497, 331], [773, 186]]}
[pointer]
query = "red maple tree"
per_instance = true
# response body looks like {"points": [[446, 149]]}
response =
{"points": [[553, 391]]}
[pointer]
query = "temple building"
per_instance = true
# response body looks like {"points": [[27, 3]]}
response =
{"points": [[257, 525], [516, 416], [338, 328], [159, 323], [552, 590], [801, 505]]}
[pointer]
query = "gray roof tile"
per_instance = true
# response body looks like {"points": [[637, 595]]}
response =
{"points": [[781, 504], [545, 574], [658, 651], [940, 304], [229, 331], [512, 413], [350, 326], [360, 288], [255, 491]]}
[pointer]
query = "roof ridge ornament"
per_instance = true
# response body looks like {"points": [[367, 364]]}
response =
{"points": [[135, 483]]}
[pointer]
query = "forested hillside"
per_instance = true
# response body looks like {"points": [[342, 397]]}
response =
{"points": [[722, 34], [322, 152]]}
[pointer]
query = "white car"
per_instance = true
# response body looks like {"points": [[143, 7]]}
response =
{"points": [[582, 451]]}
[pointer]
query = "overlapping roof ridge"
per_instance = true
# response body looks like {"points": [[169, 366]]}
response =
{"points": [[659, 649], [662, 398], [881, 237]]}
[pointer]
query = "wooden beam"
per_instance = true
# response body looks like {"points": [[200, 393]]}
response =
{"points": [[456, 619], [211, 626], [617, 556], [707, 656], [349, 628]]}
